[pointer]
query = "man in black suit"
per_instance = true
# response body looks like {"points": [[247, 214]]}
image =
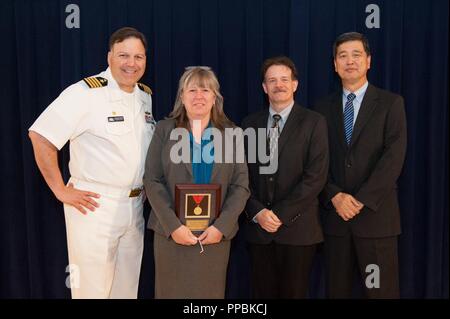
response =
{"points": [[367, 140], [283, 210]]}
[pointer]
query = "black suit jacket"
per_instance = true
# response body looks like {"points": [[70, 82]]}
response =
{"points": [[368, 168], [292, 192]]}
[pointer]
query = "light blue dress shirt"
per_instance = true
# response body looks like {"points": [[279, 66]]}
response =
{"points": [[284, 116], [202, 162]]}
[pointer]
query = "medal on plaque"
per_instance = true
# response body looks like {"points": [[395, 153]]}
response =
{"points": [[197, 199], [197, 205]]}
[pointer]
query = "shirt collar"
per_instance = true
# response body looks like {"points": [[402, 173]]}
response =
{"points": [[115, 92], [206, 138], [359, 93], [284, 114]]}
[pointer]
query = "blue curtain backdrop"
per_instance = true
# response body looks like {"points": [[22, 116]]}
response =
{"points": [[40, 57]]}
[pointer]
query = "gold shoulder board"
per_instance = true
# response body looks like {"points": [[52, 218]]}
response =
{"points": [[96, 82], [145, 88]]}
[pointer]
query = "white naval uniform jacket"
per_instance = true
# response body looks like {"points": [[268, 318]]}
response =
{"points": [[108, 139]]}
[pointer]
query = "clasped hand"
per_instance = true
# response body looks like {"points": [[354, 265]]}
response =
{"points": [[346, 205], [183, 236], [268, 220]]}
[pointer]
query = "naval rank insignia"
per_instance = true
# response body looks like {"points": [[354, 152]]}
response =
{"points": [[145, 88], [95, 82]]}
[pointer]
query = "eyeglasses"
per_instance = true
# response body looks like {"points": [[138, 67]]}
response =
{"points": [[202, 67]]}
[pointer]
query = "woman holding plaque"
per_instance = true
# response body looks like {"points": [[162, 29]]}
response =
{"points": [[197, 184]]}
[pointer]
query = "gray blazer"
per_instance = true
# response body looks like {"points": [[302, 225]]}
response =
{"points": [[161, 175]]}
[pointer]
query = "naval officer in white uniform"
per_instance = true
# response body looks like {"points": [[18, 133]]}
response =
{"points": [[108, 120]]}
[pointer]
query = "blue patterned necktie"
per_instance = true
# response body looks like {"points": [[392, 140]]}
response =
{"points": [[348, 117]]}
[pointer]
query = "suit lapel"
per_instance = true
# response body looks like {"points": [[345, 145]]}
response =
{"points": [[261, 121], [367, 107], [338, 118], [215, 171], [217, 166], [188, 165], [289, 127], [189, 169]]}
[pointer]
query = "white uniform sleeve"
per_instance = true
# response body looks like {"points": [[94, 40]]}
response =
{"points": [[149, 101], [60, 121]]}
